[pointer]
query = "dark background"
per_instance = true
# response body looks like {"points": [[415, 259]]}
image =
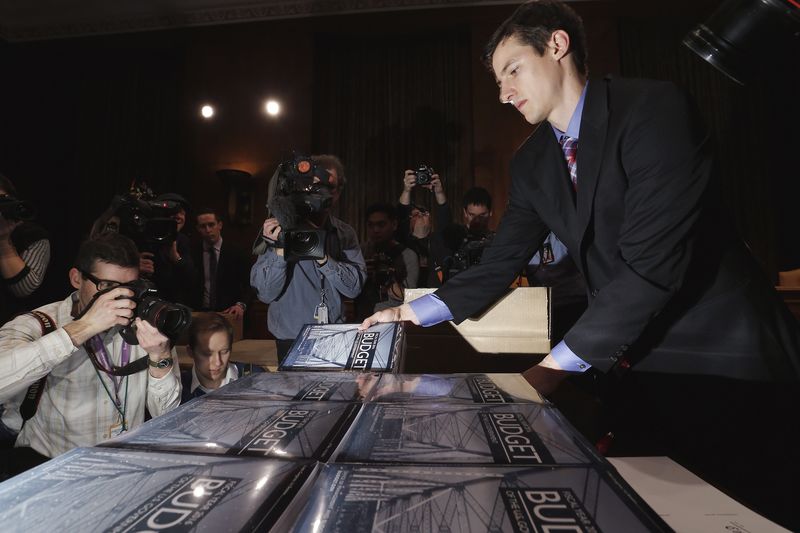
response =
{"points": [[80, 118]]}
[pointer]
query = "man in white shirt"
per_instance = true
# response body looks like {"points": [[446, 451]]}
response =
{"points": [[210, 343], [84, 401]]}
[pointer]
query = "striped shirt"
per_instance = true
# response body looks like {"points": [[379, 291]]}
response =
{"points": [[36, 258]]}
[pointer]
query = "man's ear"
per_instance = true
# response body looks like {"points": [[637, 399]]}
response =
{"points": [[559, 44], [75, 278]]}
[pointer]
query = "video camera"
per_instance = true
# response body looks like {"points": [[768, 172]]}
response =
{"points": [[469, 253], [144, 219], [299, 189], [12, 208]]}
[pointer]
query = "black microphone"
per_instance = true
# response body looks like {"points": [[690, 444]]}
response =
{"points": [[282, 208]]}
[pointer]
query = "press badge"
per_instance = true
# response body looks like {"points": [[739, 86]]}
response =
{"points": [[321, 311]]}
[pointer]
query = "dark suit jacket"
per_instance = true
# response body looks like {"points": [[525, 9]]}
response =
{"points": [[670, 286], [233, 276]]}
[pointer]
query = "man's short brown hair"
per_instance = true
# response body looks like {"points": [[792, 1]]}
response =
{"points": [[208, 323]]}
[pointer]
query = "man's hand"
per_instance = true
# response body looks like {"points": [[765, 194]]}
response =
{"points": [[155, 343], [409, 180], [172, 253], [106, 312], [236, 310], [146, 264], [545, 379], [438, 190], [271, 231], [392, 314], [152, 341]]}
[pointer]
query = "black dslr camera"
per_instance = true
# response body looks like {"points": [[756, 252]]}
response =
{"points": [[12, 208], [424, 175], [145, 220], [171, 319], [298, 190]]}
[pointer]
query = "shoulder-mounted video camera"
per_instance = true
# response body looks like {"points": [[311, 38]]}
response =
{"points": [[299, 189], [144, 219], [469, 252]]}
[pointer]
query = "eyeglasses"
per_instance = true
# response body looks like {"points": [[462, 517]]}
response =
{"points": [[101, 284]]}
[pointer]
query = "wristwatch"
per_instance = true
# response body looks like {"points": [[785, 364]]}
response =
{"points": [[161, 363]]}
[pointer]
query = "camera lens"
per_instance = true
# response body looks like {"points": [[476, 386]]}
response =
{"points": [[169, 318], [304, 242]]}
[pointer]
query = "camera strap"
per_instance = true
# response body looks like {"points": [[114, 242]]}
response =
{"points": [[125, 370], [30, 403]]}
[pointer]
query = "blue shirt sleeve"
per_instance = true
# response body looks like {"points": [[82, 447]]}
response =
{"points": [[430, 310], [567, 359]]}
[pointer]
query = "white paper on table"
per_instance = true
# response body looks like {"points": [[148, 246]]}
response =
{"points": [[685, 502]]}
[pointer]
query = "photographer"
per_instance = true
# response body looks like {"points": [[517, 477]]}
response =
{"points": [[302, 291], [458, 246], [155, 226], [391, 267], [24, 254], [74, 345], [173, 268], [414, 222]]}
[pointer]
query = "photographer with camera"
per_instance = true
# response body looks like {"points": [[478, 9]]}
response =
{"points": [[24, 253], [460, 246], [154, 224], [414, 221], [309, 260], [97, 363], [391, 267]]}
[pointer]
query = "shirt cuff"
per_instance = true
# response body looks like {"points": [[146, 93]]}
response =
{"points": [[430, 310], [567, 359]]}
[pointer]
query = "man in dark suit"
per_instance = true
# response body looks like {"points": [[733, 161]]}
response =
{"points": [[224, 270], [698, 357]]}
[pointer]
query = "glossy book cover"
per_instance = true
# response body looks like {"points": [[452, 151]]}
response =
{"points": [[119, 491]]}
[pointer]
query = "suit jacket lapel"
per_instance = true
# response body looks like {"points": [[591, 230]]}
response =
{"points": [[591, 145], [545, 162]]}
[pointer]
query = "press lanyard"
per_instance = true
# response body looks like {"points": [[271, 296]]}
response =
{"points": [[96, 345], [321, 311]]}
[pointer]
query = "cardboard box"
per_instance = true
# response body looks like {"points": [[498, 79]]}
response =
{"points": [[519, 322]]}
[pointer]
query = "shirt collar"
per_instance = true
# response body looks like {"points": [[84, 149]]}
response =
{"points": [[231, 375], [574, 126], [217, 245]]}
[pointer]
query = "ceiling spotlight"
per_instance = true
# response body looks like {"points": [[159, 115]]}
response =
{"points": [[272, 108], [207, 111]]}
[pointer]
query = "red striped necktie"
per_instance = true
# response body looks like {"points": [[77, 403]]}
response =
{"points": [[570, 147]]}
